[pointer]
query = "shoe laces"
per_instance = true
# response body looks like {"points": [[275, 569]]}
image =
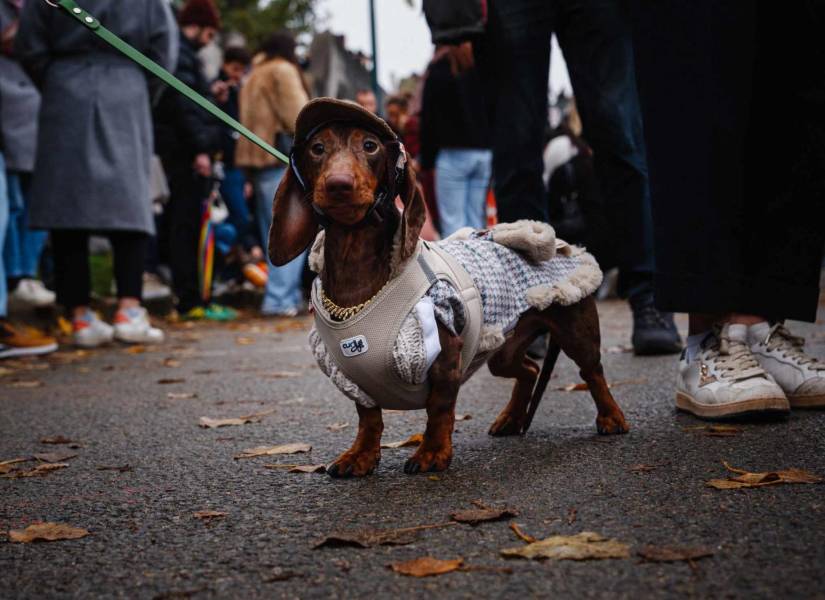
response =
{"points": [[733, 357], [648, 316], [791, 346]]}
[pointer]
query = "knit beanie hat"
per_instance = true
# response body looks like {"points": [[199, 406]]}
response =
{"points": [[200, 12]]}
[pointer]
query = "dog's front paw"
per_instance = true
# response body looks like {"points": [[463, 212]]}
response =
{"points": [[428, 460], [612, 424], [507, 424], [354, 464]]}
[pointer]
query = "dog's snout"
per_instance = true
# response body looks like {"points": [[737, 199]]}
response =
{"points": [[339, 185]]}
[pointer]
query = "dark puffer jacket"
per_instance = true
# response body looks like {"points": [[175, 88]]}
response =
{"points": [[182, 129]]}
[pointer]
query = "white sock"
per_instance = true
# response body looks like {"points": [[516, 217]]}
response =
{"points": [[693, 345]]}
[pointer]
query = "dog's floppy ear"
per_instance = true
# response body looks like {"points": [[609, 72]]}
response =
{"points": [[293, 221], [415, 211]]}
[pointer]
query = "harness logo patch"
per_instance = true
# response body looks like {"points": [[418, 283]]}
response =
{"points": [[354, 346]]}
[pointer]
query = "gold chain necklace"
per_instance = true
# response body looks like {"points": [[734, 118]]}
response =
{"points": [[342, 313]]}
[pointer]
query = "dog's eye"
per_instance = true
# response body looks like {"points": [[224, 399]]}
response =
{"points": [[370, 146], [317, 149]]}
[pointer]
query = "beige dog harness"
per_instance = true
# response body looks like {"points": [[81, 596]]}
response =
{"points": [[362, 346]]}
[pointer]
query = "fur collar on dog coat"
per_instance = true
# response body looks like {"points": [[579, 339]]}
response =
{"points": [[514, 267]]}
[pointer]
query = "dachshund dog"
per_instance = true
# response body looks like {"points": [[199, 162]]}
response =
{"points": [[347, 170]]}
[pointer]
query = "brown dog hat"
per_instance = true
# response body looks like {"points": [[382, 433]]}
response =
{"points": [[322, 111], [203, 13]]}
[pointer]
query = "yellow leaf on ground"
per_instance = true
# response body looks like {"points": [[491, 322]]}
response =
{"points": [[426, 566], [47, 532], [209, 423], [524, 537], [137, 349], [294, 448], [746, 479], [586, 545], [414, 440], [40, 470]]}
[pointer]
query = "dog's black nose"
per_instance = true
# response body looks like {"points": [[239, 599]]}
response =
{"points": [[340, 185]]}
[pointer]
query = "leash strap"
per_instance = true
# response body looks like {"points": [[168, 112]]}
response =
{"points": [[71, 8]]}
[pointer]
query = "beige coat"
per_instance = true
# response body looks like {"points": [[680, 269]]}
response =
{"points": [[270, 102]]}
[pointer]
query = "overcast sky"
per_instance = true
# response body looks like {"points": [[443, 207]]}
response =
{"points": [[404, 44]]}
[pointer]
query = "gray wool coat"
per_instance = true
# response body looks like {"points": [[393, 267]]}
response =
{"points": [[95, 132]]}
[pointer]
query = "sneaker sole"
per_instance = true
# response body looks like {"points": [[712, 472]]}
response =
{"points": [[817, 401], [758, 406], [35, 351]]}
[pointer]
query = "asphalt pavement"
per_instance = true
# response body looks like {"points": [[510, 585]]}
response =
{"points": [[136, 415]]}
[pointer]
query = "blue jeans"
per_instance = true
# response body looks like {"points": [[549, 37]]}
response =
{"points": [[461, 179], [22, 248], [232, 191], [4, 220], [283, 288]]}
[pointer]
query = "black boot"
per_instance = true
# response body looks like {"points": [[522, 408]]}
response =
{"points": [[654, 332]]}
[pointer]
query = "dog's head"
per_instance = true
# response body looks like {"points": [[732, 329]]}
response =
{"points": [[347, 167]]}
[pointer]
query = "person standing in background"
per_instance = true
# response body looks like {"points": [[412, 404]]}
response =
{"points": [[395, 113], [271, 99], [93, 153], [20, 107], [455, 139], [366, 99]]}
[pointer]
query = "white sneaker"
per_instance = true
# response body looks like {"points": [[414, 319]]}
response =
{"points": [[725, 380], [802, 377], [90, 331], [133, 327], [33, 293], [154, 288]]}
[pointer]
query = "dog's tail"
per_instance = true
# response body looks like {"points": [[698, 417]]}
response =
{"points": [[550, 359]]}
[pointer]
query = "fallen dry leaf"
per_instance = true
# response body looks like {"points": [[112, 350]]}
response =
{"points": [[57, 439], [208, 515], [7, 466], [40, 470], [337, 426], [367, 538], [170, 380], [474, 516], [181, 395], [281, 375], [4, 371], [279, 574], [583, 546], [571, 515], [414, 440], [137, 349], [209, 423], [171, 363], [746, 479], [298, 468], [244, 341], [47, 532], [642, 468], [716, 430], [55, 457], [582, 387], [463, 417], [26, 384], [673, 553], [119, 469], [426, 566], [294, 448], [524, 537]]}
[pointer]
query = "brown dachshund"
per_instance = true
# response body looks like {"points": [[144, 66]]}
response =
{"points": [[343, 160]]}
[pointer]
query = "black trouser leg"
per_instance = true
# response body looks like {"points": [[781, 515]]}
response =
{"points": [[71, 267], [596, 39], [185, 206], [129, 249]]}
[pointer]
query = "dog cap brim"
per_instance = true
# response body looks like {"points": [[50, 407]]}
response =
{"points": [[321, 111]]}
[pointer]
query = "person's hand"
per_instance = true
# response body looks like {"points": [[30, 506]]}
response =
{"points": [[462, 56], [203, 165], [220, 91]]}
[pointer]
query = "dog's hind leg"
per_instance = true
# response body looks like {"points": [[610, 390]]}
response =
{"points": [[511, 361], [365, 454], [576, 329]]}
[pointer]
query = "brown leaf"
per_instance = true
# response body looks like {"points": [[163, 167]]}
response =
{"points": [[170, 380], [119, 469], [414, 440], [426, 566], [474, 516], [571, 515], [367, 538], [244, 341], [208, 515], [583, 546], [26, 384], [4, 371], [298, 468], [673, 553], [171, 363], [40, 470], [57, 439], [337, 426], [746, 479], [642, 468], [716, 430], [55, 457], [463, 417], [181, 395], [524, 537], [136, 349], [281, 375], [294, 448], [280, 574], [209, 423], [47, 532]]}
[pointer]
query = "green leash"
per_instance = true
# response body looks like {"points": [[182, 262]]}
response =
{"points": [[71, 8]]}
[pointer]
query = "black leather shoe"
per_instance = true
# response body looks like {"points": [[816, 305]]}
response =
{"points": [[654, 332]]}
